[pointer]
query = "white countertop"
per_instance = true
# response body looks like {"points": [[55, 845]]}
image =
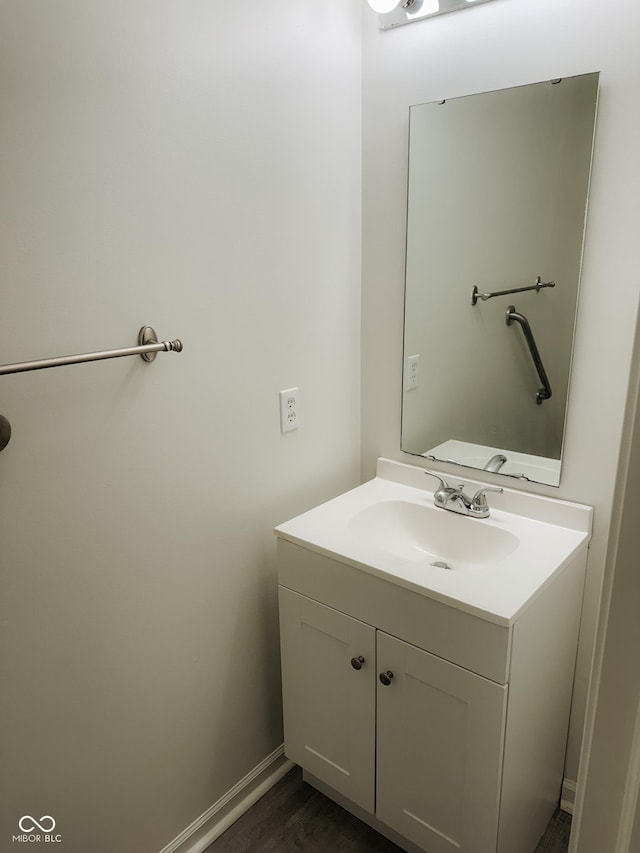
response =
{"points": [[548, 532]]}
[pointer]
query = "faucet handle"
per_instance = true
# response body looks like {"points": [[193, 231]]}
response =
{"points": [[480, 500], [443, 482]]}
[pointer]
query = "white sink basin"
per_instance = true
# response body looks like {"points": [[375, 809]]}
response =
{"points": [[492, 567], [415, 531]]}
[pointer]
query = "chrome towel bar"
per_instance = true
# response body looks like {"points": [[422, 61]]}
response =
{"points": [[148, 347], [475, 294]]}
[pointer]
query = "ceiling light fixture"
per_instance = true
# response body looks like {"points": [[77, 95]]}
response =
{"points": [[383, 7], [394, 13]]}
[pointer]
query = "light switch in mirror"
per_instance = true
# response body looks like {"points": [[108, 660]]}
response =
{"points": [[497, 197]]}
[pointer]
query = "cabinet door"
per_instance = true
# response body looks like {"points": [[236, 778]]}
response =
{"points": [[329, 705], [440, 736]]}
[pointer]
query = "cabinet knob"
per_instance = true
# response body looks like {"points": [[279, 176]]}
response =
{"points": [[356, 663], [385, 677]]}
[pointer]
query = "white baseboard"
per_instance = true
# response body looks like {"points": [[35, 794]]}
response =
{"points": [[568, 796], [217, 818]]}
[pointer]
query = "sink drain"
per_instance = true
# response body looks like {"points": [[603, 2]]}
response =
{"points": [[440, 564]]}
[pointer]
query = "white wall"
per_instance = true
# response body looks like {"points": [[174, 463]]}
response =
{"points": [[194, 166], [501, 44], [610, 783]]}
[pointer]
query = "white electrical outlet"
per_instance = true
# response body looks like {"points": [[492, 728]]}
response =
{"points": [[289, 409], [411, 372]]}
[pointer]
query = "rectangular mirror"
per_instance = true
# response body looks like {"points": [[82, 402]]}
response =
{"points": [[497, 197]]}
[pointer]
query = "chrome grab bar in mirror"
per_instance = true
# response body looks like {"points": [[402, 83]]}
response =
{"points": [[512, 315], [475, 294]]}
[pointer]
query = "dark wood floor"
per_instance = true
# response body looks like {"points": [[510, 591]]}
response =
{"points": [[293, 816]]}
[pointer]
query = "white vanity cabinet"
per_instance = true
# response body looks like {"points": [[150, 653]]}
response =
{"points": [[439, 750], [329, 704], [444, 730]]}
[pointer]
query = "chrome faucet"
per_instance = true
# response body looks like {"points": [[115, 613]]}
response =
{"points": [[495, 463], [454, 499]]}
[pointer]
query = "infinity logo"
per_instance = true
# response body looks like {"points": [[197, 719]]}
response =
{"points": [[28, 823]]}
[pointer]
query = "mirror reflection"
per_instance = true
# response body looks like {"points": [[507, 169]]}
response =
{"points": [[497, 198]]}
